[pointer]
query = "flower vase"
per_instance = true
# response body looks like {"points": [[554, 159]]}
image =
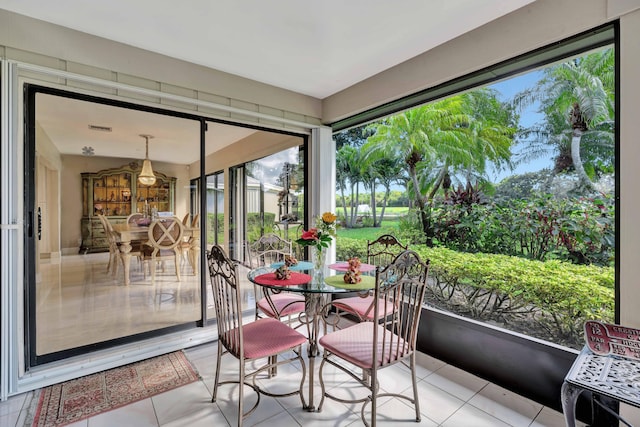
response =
{"points": [[318, 265]]}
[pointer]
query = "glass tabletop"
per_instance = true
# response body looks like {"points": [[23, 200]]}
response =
{"points": [[332, 285], [300, 266]]}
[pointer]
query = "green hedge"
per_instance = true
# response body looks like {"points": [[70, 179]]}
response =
{"points": [[347, 248], [558, 296]]}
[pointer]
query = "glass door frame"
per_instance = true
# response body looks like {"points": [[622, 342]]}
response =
{"points": [[31, 359]]}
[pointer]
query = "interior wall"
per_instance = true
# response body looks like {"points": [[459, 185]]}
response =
{"points": [[48, 165]]}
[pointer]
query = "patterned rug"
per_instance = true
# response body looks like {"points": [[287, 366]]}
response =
{"points": [[74, 400]]}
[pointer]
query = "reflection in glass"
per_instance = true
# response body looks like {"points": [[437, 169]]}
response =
{"points": [[79, 296]]}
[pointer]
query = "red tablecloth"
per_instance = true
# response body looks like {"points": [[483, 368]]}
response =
{"points": [[270, 279], [344, 266]]}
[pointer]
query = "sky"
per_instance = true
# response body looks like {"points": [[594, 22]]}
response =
{"points": [[508, 89]]}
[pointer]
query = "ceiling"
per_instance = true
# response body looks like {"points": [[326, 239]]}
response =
{"points": [[67, 122], [314, 47]]}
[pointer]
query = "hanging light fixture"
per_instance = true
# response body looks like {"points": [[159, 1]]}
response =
{"points": [[146, 176]]}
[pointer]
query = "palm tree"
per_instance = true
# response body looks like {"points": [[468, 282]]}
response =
{"points": [[577, 98], [434, 141], [384, 172], [348, 177]]}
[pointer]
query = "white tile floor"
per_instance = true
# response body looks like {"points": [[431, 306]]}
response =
{"points": [[79, 285], [448, 397]]}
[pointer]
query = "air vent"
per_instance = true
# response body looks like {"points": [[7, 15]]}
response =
{"points": [[100, 128]]}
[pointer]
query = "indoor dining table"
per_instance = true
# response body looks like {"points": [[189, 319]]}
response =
{"points": [[316, 295], [126, 233]]}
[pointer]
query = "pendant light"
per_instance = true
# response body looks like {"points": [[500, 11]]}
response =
{"points": [[146, 176]]}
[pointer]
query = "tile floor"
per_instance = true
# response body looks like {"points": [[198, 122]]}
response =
{"points": [[449, 397], [79, 285]]}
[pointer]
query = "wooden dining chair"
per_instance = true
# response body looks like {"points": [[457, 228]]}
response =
{"points": [[136, 245], [114, 249], [380, 253], [269, 249], [134, 217], [383, 342], [191, 242], [185, 219], [265, 338], [165, 236]]}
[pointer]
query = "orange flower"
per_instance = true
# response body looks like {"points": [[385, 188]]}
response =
{"points": [[329, 218]]}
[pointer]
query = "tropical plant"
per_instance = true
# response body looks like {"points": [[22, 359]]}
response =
{"points": [[348, 177], [543, 228], [577, 99], [457, 135]]}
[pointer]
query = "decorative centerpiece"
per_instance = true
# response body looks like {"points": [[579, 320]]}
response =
{"points": [[319, 238], [353, 274], [283, 273], [290, 260], [144, 221]]}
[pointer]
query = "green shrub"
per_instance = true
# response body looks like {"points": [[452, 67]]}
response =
{"points": [[559, 296], [347, 248], [254, 225], [543, 228]]}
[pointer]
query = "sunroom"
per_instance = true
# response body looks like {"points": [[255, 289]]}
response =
{"points": [[213, 139]]}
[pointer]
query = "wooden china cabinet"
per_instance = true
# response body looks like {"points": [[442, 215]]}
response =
{"points": [[116, 193]]}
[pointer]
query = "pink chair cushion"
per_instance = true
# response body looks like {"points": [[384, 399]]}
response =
{"points": [[360, 305], [355, 344], [266, 337], [285, 304]]}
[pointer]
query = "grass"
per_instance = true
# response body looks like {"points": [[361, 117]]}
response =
{"points": [[369, 233], [396, 210]]}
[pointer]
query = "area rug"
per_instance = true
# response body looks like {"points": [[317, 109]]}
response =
{"points": [[74, 400]]}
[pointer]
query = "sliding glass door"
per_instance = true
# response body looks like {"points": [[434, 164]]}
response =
{"points": [[85, 162], [88, 208]]}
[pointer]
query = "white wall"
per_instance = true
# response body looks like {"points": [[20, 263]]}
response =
{"points": [[57, 47], [538, 24]]}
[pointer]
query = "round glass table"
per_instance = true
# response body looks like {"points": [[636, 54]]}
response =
{"points": [[316, 294]]}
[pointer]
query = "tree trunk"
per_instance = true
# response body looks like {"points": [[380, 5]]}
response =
{"points": [[387, 190], [344, 204], [351, 209], [576, 136], [373, 201], [425, 217], [439, 181], [357, 202]]}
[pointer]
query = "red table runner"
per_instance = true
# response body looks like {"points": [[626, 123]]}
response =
{"points": [[270, 279]]}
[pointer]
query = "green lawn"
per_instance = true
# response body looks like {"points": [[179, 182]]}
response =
{"points": [[393, 210], [369, 233]]}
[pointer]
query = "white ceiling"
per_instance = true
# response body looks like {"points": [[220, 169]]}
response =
{"points": [[314, 47], [66, 123]]}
